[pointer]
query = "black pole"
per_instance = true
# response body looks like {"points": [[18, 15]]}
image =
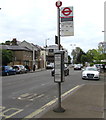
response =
{"points": [[58, 26]]}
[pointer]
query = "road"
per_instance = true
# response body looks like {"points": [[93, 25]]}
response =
{"points": [[25, 93]]}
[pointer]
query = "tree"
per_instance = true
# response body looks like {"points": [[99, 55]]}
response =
{"points": [[93, 55], [7, 56], [14, 41], [69, 59], [7, 42], [77, 53], [84, 59]]}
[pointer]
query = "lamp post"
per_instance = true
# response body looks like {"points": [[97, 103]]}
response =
{"points": [[33, 57], [46, 42], [104, 43], [104, 35], [72, 45], [46, 50]]}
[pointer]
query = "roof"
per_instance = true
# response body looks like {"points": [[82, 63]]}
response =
{"points": [[31, 46], [14, 48]]}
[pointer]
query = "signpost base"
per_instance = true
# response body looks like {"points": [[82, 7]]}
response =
{"points": [[59, 110]]}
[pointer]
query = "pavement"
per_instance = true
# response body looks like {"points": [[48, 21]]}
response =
{"points": [[84, 101], [37, 70]]}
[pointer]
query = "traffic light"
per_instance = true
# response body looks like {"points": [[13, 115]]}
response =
{"points": [[56, 39]]}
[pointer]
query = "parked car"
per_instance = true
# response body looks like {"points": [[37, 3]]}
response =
{"points": [[98, 66], [50, 66], [7, 70], [77, 67], [66, 70], [90, 73], [20, 69]]}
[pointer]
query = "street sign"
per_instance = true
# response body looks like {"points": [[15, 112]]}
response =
{"points": [[66, 11], [59, 76], [59, 66], [58, 3], [66, 14], [67, 28]]}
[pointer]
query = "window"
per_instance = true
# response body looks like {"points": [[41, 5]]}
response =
{"points": [[51, 50]]}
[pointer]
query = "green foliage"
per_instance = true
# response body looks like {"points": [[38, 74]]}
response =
{"points": [[91, 56], [69, 59], [77, 53], [84, 59], [6, 56], [91, 64], [8, 42]]}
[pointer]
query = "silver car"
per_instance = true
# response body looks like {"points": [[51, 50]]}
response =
{"points": [[77, 67], [20, 69], [90, 73]]}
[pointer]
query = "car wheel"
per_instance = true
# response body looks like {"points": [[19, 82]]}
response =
{"points": [[52, 74], [7, 73], [65, 74], [14, 73]]}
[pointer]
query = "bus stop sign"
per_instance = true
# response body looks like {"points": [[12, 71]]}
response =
{"points": [[58, 3]]}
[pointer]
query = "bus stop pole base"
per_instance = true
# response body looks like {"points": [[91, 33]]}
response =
{"points": [[59, 110]]}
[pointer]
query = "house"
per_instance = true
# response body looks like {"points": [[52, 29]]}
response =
{"points": [[21, 55], [37, 59]]}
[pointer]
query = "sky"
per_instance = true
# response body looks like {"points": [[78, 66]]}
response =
{"points": [[36, 21]]}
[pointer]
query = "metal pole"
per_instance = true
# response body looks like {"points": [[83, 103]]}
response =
{"points": [[58, 26], [58, 34], [59, 108]]}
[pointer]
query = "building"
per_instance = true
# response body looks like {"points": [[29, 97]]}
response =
{"points": [[51, 49], [37, 58], [21, 55], [25, 53]]}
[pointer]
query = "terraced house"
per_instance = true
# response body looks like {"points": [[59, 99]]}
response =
{"points": [[25, 53]]}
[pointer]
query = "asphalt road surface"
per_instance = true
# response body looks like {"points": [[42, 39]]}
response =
{"points": [[23, 94]]}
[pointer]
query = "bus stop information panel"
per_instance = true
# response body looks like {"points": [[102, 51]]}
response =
{"points": [[59, 66]]}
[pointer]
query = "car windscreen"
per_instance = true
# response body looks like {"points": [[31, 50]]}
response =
{"points": [[15, 67], [7, 68], [91, 69], [10, 68]]}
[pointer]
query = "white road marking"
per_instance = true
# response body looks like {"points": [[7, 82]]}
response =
{"points": [[37, 97], [1, 108], [16, 111], [33, 114], [29, 97]]}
